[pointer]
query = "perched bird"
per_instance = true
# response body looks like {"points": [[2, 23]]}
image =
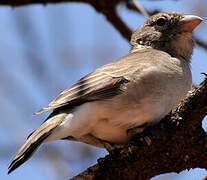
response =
{"points": [[109, 105]]}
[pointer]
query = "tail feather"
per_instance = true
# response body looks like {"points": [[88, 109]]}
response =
{"points": [[34, 141], [24, 154]]}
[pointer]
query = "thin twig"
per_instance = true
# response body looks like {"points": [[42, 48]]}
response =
{"points": [[110, 13], [140, 8], [200, 43]]}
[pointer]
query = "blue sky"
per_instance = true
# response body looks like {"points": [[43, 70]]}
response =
{"points": [[45, 49]]}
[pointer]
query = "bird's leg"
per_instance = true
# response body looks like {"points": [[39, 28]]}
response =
{"points": [[92, 140], [110, 147], [70, 138], [133, 131], [138, 129]]}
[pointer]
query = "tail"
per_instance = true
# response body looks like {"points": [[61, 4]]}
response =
{"points": [[34, 141]]}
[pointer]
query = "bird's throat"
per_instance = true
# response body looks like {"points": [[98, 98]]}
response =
{"points": [[182, 46]]}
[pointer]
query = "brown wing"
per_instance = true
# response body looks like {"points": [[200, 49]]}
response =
{"points": [[104, 82]]}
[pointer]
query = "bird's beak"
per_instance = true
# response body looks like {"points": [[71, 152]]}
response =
{"points": [[189, 23]]}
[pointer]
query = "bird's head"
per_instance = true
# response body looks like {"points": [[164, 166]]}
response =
{"points": [[169, 31]]}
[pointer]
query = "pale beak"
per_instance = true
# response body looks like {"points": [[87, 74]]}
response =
{"points": [[189, 23]]}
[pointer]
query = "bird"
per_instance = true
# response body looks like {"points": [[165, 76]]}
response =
{"points": [[110, 105]]}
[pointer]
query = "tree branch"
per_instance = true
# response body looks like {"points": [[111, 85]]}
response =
{"points": [[106, 7], [178, 143]]}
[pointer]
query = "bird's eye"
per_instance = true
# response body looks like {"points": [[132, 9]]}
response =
{"points": [[161, 22]]}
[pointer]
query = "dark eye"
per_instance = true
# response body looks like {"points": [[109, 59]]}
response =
{"points": [[161, 22]]}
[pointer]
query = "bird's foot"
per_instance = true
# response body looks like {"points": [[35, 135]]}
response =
{"points": [[110, 146], [136, 130], [92, 140], [133, 131], [147, 140]]}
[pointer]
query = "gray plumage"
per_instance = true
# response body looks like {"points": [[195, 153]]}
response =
{"points": [[137, 89]]}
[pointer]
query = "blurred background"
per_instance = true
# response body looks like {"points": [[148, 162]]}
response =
{"points": [[44, 49]]}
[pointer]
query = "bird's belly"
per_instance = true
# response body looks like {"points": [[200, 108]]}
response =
{"points": [[105, 131], [114, 126]]}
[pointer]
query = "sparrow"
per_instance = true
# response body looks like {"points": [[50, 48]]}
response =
{"points": [[111, 104]]}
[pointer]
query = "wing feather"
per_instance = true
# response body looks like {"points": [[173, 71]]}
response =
{"points": [[88, 89], [104, 82]]}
